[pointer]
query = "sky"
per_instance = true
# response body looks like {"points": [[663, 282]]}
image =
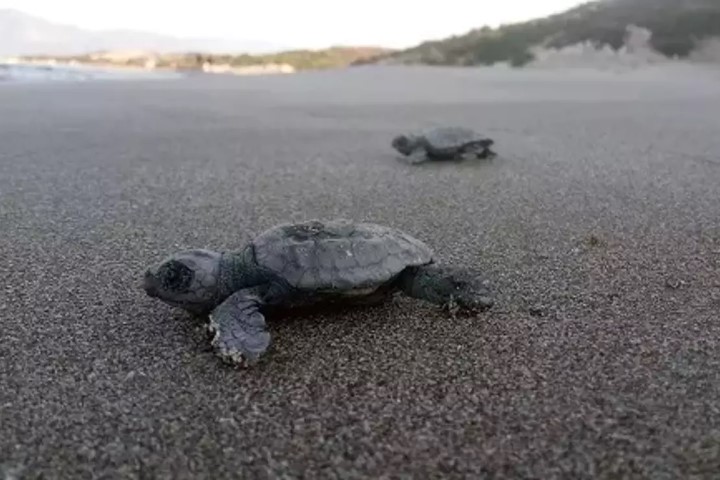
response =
{"points": [[295, 23]]}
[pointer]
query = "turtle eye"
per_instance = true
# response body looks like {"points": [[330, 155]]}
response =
{"points": [[176, 276]]}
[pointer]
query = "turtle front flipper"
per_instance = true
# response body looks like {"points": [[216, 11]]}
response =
{"points": [[240, 335], [417, 157]]}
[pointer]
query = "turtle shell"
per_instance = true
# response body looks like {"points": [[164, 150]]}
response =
{"points": [[338, 255], [451, 139]]}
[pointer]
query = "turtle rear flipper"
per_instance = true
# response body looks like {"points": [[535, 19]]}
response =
{"points": [[240, 334], [478, 150], [479, 153]]}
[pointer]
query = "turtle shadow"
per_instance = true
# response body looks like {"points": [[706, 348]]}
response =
{"points": [[279, 318], [298, 332], [285, 322], [298, 338], [449, 162]]}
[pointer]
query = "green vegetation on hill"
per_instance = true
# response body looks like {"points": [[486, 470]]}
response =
{"points": [[301, 59], [676, 26]]}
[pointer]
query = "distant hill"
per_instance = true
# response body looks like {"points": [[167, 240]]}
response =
{"points": [[22, 34], [333, 57], [676, 26]]}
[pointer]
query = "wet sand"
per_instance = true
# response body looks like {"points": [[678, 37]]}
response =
{"points": [[598, 226]]}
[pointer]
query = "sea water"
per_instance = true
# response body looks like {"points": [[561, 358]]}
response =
{"points": [[19, 72]]}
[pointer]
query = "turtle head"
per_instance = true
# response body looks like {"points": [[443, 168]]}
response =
{"points": [[188, 279], [405, 144]]}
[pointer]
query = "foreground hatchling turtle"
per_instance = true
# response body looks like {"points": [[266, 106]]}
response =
{"points": [[305, 264], [443, 143]]}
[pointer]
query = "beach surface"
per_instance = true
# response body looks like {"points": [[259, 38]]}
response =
{"points": [[598, 226]]}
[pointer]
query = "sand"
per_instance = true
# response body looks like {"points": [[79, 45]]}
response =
{"points": [[598, 226]]}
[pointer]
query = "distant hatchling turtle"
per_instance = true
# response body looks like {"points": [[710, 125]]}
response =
{"points": [[443, 143], [306, 264]]}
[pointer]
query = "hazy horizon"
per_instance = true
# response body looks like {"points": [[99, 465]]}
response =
{"points": [[313, 24]]}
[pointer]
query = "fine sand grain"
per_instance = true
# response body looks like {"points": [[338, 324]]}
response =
{"points": [[598, 225]]}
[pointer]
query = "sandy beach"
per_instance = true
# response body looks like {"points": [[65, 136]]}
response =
{"points": [[598, 226]]}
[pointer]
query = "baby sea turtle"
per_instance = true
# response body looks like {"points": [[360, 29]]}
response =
{"points": [[304, 264], [443, 143]]}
